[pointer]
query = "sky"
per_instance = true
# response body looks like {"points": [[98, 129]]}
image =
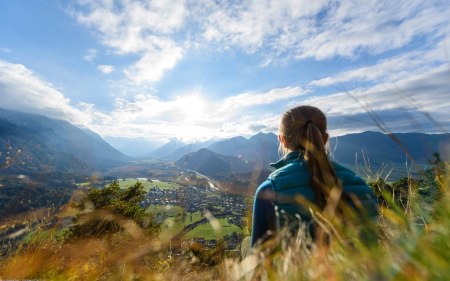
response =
{"points": [[202, 69]]}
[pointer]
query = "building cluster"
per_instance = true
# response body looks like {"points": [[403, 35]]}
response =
{"points": [[202, 199], [199, 199], [232, 241]]}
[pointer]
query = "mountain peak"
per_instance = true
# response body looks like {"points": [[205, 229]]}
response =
{"points": [[52, 145], [264, 136]]}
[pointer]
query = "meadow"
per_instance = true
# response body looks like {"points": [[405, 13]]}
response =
{"points": [[207, 231], [412, 244], [174, 222], [148, 184]]}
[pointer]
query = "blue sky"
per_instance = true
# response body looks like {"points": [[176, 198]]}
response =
{"points": [[213, 69]]}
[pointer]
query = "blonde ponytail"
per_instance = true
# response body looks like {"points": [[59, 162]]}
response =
{"points": [[304, 128], [323, 176]]}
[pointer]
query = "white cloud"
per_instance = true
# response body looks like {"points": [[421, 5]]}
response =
{"points": [[137, 27], [420, 98], [189, 116], [90, 55], [252, 99], [154, 63], [394, 68], [323, 29], [21, 89], [423, 95], [160, 31], [106, 69]]}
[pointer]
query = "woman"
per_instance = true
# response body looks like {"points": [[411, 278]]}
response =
{"points": [[306, 180]]}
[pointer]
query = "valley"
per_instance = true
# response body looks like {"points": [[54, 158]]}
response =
{"points": [[190, 208], [196, 191]]}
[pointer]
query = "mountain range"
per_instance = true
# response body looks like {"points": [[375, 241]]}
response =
{"points": [[210, 163], [31, 143], [132, 147], [372, 152]]}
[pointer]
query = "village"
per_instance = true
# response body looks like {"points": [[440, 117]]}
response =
{"points": [[201, 200]]}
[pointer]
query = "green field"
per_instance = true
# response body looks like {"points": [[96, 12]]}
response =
{"points": [[206, 230], [168, 210], [170, 228], [147, 184], [192, 218], [172, 224]]}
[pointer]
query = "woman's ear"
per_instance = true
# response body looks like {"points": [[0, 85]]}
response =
{"points": [[325, 138], [282, 140]]}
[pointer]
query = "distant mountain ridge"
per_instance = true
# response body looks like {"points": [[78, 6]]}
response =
{"points": [[380, 148], [31, 143], [368, 148], [261, 148], [38, 144], [213, 164], [133, 147], [175, 149]]}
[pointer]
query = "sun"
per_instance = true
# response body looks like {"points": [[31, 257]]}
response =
{"points": [[193, 108], [192, 117]]}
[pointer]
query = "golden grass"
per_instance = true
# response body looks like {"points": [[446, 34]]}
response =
{"points": [[408, 249]]}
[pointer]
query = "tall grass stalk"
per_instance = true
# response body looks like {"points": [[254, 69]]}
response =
{"points": [[410, 246]]}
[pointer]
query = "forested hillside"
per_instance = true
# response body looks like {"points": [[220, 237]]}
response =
{"points": [[32, 144]]}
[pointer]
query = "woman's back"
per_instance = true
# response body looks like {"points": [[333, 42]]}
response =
{"points": [[287, 195], [293, 193], [306, 181]]}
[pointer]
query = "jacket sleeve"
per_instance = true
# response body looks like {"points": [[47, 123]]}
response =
{"points": [[263, 219]]}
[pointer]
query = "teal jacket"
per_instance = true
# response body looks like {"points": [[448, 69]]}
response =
{"points": [[276, 200]]}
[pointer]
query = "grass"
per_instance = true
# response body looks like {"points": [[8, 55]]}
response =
{"points": [[173, 224], [410, 247], [192, 217], [169, 228], [168, 210], [69, 211], [207, 231]]}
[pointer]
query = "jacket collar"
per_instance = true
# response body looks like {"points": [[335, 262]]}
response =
{"points": [[288, 158]]}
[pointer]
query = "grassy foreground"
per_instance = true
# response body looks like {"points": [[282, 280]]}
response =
{"points": [[413, 244]]}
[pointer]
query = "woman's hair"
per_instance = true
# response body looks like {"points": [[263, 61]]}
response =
{"points": [[304, 128]]}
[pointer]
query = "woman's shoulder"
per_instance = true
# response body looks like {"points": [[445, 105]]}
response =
{"points": [[357, 186], [347, 176], [266, 186]]}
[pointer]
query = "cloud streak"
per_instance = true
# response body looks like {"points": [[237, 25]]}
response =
{"points": [[22, 89], [91, 55], [401, 105], [188, 116], [106, 69], [323, 29], [423, 95], [161, 32], [137, 27], [393, 68]]}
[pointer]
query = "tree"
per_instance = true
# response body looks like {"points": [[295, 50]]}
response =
{"points": [[123, 202], [439, 170]]}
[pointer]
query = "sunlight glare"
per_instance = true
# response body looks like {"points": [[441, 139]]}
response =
{"points": [[192, 107]]}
